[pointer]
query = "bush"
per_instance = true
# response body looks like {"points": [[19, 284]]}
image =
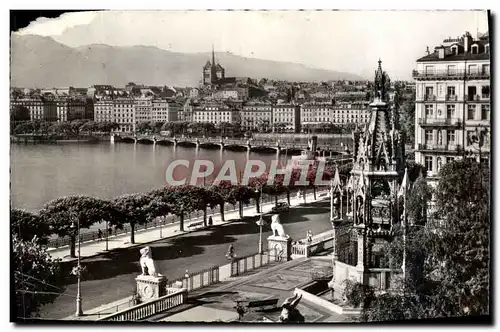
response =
{"points": [[358, 294]]}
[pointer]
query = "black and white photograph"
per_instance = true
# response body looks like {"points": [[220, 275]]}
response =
{"points": [[250, 166]]}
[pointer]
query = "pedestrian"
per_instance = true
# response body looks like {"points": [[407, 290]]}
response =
{"points": [[110, 231], [210, 221], [99, 234], [230, 252], [309, 236]]}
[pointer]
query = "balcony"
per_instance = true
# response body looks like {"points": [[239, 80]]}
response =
{"points": [[450, 74], [477, 98], [439, 122], [477, 74], [439, 74], [429, 97], [451, 97], [443, 148]]}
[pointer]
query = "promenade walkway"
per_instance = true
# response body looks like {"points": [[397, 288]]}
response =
{"points": [[89, 249]]}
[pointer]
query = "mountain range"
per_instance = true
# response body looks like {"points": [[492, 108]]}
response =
{"points": [[38, 61]]}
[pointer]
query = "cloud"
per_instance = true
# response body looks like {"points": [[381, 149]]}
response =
{"points": [[44, 26]]}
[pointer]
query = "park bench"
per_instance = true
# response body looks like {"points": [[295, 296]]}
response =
{"points": [[262, 305], [195, 224]]}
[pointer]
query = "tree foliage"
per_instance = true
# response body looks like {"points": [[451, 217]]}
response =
{"points": [[447, 260], [26, 225], [36, 277], [64, 213]]}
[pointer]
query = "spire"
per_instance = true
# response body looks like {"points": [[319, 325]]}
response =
{"points": [[213, 55]]}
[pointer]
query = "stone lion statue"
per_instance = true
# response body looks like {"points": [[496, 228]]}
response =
{"points": [[290, 313], [147, 263], [277, 227]]}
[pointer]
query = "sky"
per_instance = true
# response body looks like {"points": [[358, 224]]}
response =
{"points": [[347, 41]]}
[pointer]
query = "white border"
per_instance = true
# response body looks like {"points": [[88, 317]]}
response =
{"points": [[190, 4]]}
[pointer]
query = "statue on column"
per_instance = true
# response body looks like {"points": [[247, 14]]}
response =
{"points": [[147, 263], [359, 210]]}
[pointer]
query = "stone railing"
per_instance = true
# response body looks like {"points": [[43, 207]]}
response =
{"points": [[173, 298], [216, 274], [319, 243]]}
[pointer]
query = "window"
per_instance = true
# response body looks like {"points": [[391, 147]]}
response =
{"points": [[474, 49], [485, 112], [450, 136], [472, 69], [471, 110], [429, 70], [485, 91], [450, 160], [439, 163], [428, 163], [471, 92], [487, 48], [429, 92], [450, 91], [429, 110], [470, 135], [450, 111], [428, 136]]}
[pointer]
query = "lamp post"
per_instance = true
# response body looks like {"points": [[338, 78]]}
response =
{"points": [[78, 272], [260, 222], [107, 234]]}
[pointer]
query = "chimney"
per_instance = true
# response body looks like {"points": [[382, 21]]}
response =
{"points": [[427, 51], [467, 42]]}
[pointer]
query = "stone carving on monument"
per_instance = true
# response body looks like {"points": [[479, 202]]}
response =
{"points": [[280, 244], [277, 227], [150, 284], [289, 312]]}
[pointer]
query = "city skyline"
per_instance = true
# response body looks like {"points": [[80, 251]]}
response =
{"points": [[287, 36]]}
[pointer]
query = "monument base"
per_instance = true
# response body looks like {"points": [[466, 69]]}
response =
{"points": [[150, 288], [280, 248]]}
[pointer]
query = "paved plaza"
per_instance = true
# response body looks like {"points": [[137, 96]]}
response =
{"points": [[277, 282], [110, 276]]}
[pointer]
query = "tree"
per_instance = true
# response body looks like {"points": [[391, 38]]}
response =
{"points": [[36, 276], [418, 201], [64, 213], [131, 209], [20, 113], [415, 170], [26, 225], [462, 201], [448, 261], [89, 126], [143, 127]]}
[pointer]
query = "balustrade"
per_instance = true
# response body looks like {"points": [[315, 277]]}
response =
{"points": [[150, 308]]}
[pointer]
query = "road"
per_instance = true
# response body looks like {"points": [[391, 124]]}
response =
{"points": [[111, 276]]}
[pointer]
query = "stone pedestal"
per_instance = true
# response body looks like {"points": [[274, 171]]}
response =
{"points": [[150, 288], [280, 248]]}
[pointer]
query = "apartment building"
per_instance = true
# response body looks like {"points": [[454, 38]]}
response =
{"points": [[453, 102], [143, 109], [346, 113], [215, 113], [104, 110], [286, 118], [256, 115], [124, 114]]}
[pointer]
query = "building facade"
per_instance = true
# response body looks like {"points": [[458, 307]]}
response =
{"points": [[143, 109], [256, 117], [124, 114], [453, 103], [286, 118], [216, 113], [347, 113], [104, 110]]}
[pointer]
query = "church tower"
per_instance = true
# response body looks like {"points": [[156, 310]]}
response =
{"points": [[378, 167]]}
